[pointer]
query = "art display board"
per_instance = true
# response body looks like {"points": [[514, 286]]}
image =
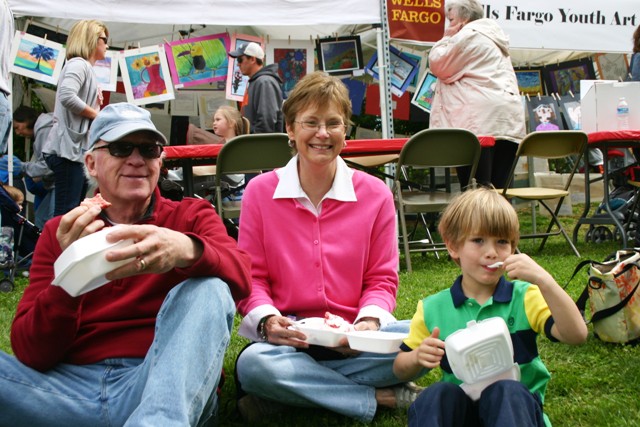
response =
{"points": [[295, 59], [600, 103], [198, 60], [107, 71], [236, 82], [37, 58], [145, 75], [402, 70]]}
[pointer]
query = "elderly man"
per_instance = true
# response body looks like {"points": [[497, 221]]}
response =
{"points": [[147, 347]]}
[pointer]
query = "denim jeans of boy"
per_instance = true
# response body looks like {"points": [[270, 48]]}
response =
{"points": [[171, 386]]}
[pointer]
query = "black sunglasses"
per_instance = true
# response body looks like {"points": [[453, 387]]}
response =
{"points": [[104, 39], [239, 59], [125, 148]]}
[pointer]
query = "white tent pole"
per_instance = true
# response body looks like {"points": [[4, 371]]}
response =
{"points": [[382, 34]]}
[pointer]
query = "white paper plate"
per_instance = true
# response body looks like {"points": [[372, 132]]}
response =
{"points": [[82, 266], [317, 333], [376, 341]]}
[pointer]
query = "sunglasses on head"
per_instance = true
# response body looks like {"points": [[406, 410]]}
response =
{"points": [[125, 148]]}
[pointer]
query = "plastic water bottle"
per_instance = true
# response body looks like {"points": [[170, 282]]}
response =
{"points": [[622, 114]]}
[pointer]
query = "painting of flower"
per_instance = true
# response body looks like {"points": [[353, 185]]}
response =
{"points": [[37, 58], [198, 60], [145, 74]]}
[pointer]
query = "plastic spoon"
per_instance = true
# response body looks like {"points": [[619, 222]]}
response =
{"points": [[496, 264]]}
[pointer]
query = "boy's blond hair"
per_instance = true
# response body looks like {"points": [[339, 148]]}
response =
{"points": [[480, 211]]}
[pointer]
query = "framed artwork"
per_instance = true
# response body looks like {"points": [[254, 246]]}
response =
{"points": [[145, 75], [198, 60], [107, 71], [543, 114], [294, 59], [36, 58], [339, 55], [425, 91], [612, 66], [564, 78], [402, 69], [236, 81], [572, 112], [418, 60], [530, 81]]}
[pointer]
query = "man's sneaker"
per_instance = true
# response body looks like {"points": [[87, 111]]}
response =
{"points": [[406, 394], [255, 410]]}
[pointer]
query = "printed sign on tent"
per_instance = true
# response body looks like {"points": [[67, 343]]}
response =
{"points": [[421, 21]]}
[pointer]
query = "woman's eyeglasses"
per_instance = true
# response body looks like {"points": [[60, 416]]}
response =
{"points": [[124, 149], [331, 127], [104, 39]]}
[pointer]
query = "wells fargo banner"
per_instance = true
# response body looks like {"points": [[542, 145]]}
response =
{"points": [[417, 20]]}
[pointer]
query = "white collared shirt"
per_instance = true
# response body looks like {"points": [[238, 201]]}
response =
{"points": [[289, 185]]}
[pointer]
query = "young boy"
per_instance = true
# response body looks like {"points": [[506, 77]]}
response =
{"points": [[479, 229]]}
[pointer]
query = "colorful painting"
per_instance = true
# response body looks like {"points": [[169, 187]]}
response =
{"points": [[236, 82], [423, 96], [37, 58], [145, 75], [198, 60], [402, 70], [107, 71], [530, 81], [544, 114], [294, 59], [340, 55], [564, 78]]}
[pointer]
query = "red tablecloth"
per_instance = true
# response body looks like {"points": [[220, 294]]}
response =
{"points": [[611, 136], [354, 148]]}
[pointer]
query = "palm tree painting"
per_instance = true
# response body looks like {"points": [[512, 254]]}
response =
{"points": [[37, 58]]}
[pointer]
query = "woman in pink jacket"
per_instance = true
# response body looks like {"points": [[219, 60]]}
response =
{"points": [[477, 88], [322, 239]]}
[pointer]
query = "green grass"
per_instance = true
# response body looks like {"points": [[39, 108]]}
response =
{"points": [[595, 384]]}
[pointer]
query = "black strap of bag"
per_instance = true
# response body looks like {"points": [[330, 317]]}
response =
{"points": [[581, 302]]}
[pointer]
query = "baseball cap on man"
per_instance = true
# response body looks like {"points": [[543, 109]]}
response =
{"points": [[117, 120], [248, 49]]}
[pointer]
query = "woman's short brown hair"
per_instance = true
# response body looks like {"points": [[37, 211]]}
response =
{"points": [[317, 89]]}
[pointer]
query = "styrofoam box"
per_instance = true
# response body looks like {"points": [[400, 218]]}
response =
{"points": [[480, 351], [375, 341], [82, 266], [317, 333]]}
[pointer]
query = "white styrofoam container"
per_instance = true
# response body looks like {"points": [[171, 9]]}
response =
{"points": [[375, 341], [317, 332], [482, 353], [82, 266]]}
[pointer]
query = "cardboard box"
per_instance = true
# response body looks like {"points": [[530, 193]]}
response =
{"points": [[600, 102]]}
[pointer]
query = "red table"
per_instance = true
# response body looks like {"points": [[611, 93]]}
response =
{"points": [[188, 156], [605, 141]]}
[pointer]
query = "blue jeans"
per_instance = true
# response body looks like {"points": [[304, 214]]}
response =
{"points": [[174, 385], [70, 183], [504, 403], [346, 386], [5, 122]]}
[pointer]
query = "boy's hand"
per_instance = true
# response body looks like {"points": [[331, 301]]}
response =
{"points": [[522, 267], [431, 350]]}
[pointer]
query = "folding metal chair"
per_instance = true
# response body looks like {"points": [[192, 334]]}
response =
{"points": [[547, 145], [430, 148]]}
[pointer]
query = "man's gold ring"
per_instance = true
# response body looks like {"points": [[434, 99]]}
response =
{"points": [[143, 264]]}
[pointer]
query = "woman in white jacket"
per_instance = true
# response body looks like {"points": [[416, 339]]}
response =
{"points": [[477, 88]]}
